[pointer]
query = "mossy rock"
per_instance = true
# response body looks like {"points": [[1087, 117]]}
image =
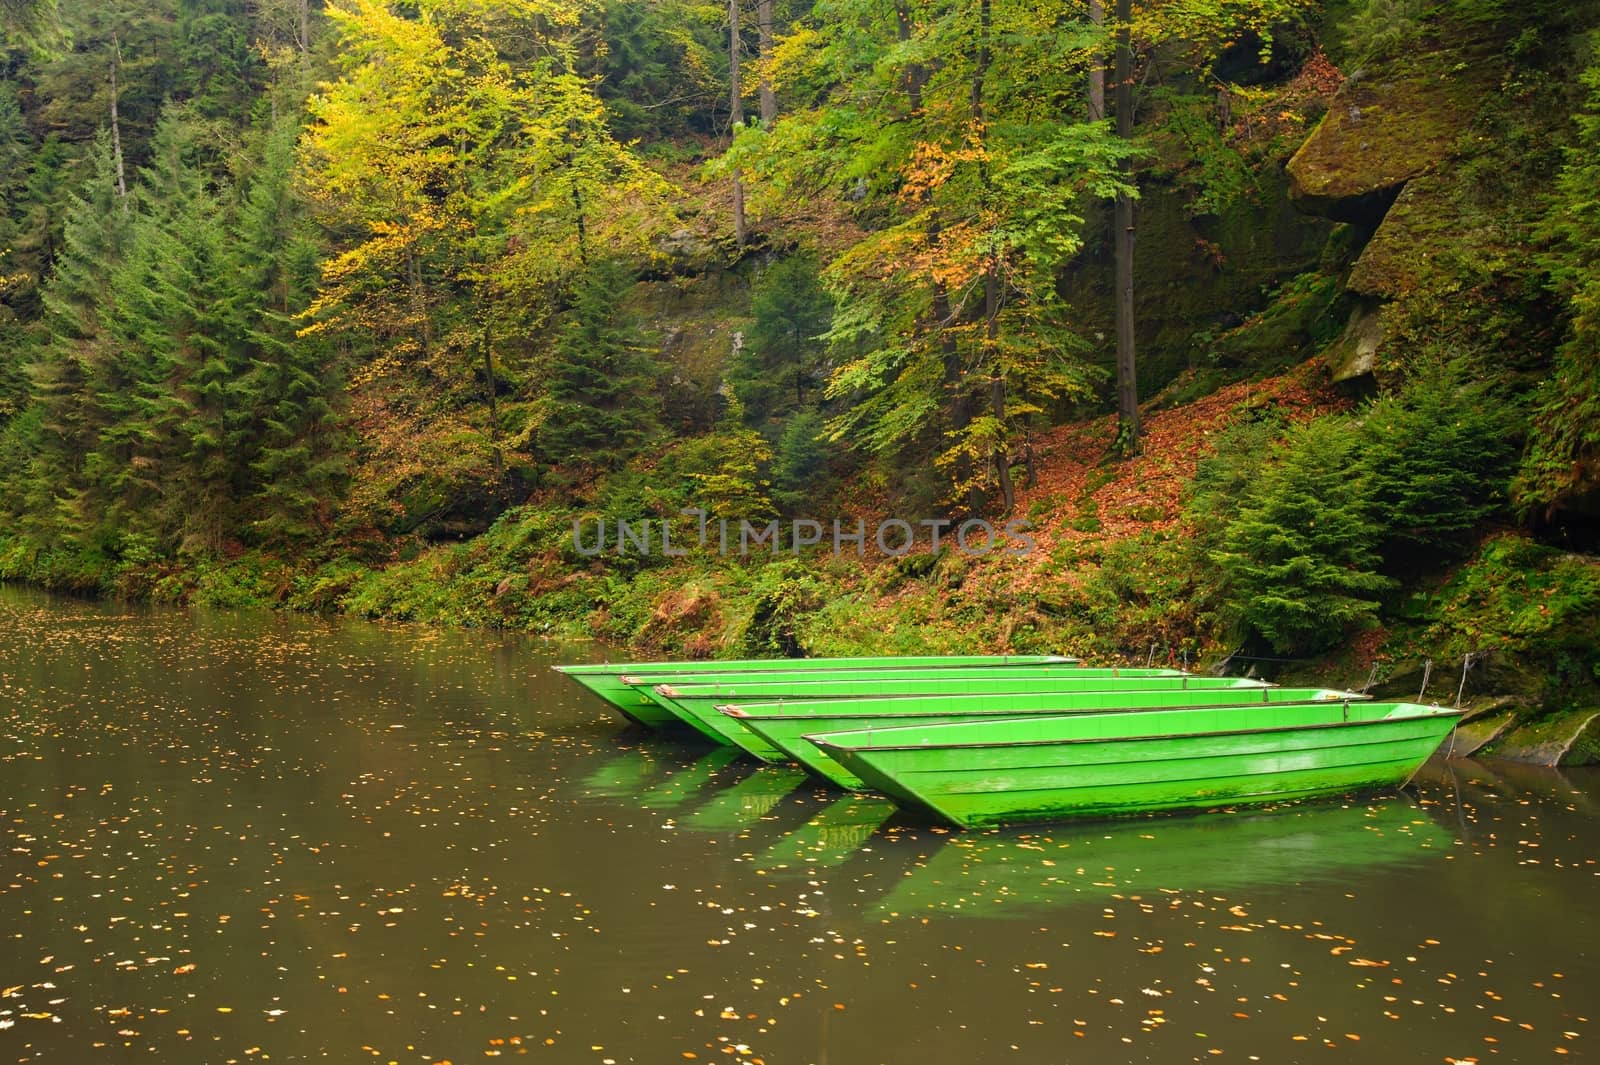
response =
{"points": [[1570, 738], [1193, 276], [1391, 124], [1421, 246], [1355, 353], [1475, 735]]}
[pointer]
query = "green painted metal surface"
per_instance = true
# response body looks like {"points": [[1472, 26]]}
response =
{"points": [[785, 726], [605, 678], [1052, 767], [696, 704]]}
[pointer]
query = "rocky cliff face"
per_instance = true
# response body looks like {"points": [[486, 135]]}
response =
{"points": [[1379, 161]]}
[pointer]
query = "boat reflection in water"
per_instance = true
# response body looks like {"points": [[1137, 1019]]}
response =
{"points": [[744, 804], [1007, 873], [836, 833]]}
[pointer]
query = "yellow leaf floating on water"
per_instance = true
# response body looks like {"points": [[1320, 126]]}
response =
{"points": [[1368, 963]]}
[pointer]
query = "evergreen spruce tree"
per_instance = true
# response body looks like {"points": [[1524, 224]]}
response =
{"points": [[52, 489], [288, 426], [1437, 457], [602, 384], [1300, 556], [161, 464], [14, 152], [801, 464], [779, 367]]}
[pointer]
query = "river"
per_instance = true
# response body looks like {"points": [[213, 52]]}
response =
{"points": [[236, 837]]}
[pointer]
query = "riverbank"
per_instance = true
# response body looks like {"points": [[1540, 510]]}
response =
{"points": [[1122, 568]]}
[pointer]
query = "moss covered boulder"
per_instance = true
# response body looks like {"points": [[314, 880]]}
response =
{"points": [[1571, 738], [1390, 124]]}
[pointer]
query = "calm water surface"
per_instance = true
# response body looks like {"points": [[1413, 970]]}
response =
{"points": [[238, 837]]}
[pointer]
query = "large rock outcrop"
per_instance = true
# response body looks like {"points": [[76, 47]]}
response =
{"points": [[1374, 162], [1389, 125]]}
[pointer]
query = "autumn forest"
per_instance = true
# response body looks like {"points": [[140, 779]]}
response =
{"points": [[1277, 321]]}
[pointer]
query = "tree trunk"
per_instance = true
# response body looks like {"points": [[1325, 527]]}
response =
{"points": [[960, 406], [1127, 379], [116, 126], [991, 273], [1097, 72], [305, 28], [736, 118], [494, 403], [421, 328], [583, 227], [769, 100]]}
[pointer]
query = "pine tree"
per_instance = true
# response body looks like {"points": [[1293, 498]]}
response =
{"points": [[602, 382], [1562, 465], [287, 428], [1301, 554], [77, 305], [161, 464], [1437, 456], [198, 351], [801, 465], [779, 365], [14, 152]]}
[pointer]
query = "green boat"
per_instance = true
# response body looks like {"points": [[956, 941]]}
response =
{"points": [[1048, 768], [785, 726], [695, 704], [605, 679]]}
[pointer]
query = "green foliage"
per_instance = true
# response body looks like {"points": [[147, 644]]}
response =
{"points": [[726, 469], [1300, 556], [1438, 457], [800, 468], [660, 63], [1536, 604], [1380, 29], [1562, 462], [602, 381], [779, 365], [785, 594]]}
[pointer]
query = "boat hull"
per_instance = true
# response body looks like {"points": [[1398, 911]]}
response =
{"points": [[787, 728], [1099, 769], [696, 705], [605, 679]]}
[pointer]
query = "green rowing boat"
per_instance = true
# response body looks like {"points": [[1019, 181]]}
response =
{"points": [[786, 726], [605, 678], [1048, 768], [700, 706]]}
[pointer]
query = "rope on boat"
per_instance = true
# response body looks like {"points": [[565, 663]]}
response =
{"points": [[1427, 673], [1466, 665], [1372, 676]]}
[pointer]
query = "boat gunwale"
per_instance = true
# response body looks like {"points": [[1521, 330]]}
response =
{"points": [[738, 713], [607, 669], [673, 692], [820, 738]]}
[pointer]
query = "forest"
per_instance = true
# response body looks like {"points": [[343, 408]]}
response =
{"points": [[1277, 321]]}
